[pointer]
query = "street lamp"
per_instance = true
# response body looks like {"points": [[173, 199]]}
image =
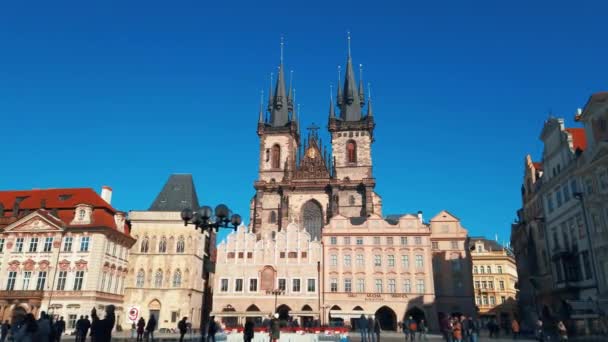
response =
{"points": [[276, 293], [209, 220]]}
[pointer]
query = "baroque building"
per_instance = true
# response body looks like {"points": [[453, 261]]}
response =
{"points": [[318, 247], [64, 251], [563, 223], [166, 263]]}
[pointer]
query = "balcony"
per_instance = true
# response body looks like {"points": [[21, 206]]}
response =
{"points": [[21, 295]]}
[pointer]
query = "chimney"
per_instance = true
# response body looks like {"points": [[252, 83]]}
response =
{"points": [[420, 216], [106, 194]]}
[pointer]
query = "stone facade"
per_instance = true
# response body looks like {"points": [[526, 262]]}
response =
{"points": [[65, 251]]}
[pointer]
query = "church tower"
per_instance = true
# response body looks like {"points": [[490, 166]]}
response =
{"points": [[351, 139]]}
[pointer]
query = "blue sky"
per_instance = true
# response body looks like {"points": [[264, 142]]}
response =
{"points": [[124, 93]]}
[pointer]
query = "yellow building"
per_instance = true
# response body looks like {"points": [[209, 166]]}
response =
{"points": [[494, 281]]}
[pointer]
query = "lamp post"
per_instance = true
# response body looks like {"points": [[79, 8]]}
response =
{"points": [[209, 220], [276, 293]]}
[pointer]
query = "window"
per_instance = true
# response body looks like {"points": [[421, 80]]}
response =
{"points": [[359, 241], [78, 280], [276, 157], [573, 187], [48, 244], [360, 285], [116, 284], [84, 244], [492, 300], [177, 278], [475, 270], [549, 200], [61, 278], [348, 285], [405, 261], [311, 285], [499, 269], [282, 284], [253, 285], [491, 284], [81, 214], [139, 282], [238, 285], [566, 193], [347, 260], [391, 261], [503, 299], [435, 245], [224, 285], [377, 260], [158, 279], [41, 281], [174, 316], [379, 285], [103, 280], [333, 285], [477, 284], [144, 245], [603, 178], [347, 240], [67, 244], [419, 262], [589, 185], [501, 284], [488, 269], [392, 287], [558, 198], [33, 245], [312, 217], [26, 280], [1, 245], [484, 284], [404, 240], [10, 283], [295, 285], [376, 240], [19, 244], [273, 217], [478, 301], [389, 240], [181, 245], [482, 270], [420, 286], [587, 264], [454, 244], [333, 240], [162, 245], [114, 249], [418, 240], [333, 260], [360, 261], [407, 286], [351, 151]]}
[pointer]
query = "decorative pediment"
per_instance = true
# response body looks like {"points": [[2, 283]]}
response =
{"points": [[313, 163], [81, 264], [36, 222], [64, 265], [43, 265], [29, 264], [444, 215]]}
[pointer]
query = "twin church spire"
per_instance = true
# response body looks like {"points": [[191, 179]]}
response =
{"points": [[350, 98]]}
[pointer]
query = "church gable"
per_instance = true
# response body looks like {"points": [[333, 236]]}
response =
{"points": [[38, 221], [313, 164]]}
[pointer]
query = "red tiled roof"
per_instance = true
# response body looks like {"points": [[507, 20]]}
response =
{"points": [[538, 165], [62, 204], [579, 139]]}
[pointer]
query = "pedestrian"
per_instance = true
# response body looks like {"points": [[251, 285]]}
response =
{"points": [[457, 331], [94, 325], [422, 330], [151, 327], [412, 328], [362, 326], [562, 331], [275, 329], [377, 328], [463, 328], [59, 329], [4, 329], [370, 329], [473, 327], [515, 329], [539, 331], [86, 325], [405, 327], [104, 327], [182, 326], [248, 331], [28, 331], [44, 328], [141, 324], [450, 330]]}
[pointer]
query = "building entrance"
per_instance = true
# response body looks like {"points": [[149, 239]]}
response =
{"points": [[387, 318]]}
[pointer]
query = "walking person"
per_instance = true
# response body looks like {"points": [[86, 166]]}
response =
{"points": [[473, 327], [422, 330], [248, 331], [141, 324], [406, 329], [562, 331], [182, 326], [515, 329], [86, 325], [370, 329], [457, 331], [275, 329], [4, 331], [28, 332], [412, 327], [94, 325], [151, 327], [463, 328], [104, 327], [377, 329], [59, 329], [44, 328], [362, 326]]}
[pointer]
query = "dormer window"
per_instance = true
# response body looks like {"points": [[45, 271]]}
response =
{"points": [[82, 214]]}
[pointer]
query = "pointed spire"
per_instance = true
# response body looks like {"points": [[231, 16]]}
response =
{"points": [[339, 95], [351, 107], [261, 117], [270, 94], [280, 110], [361, 91], [332, 113], [370, 111], [290, 95]]}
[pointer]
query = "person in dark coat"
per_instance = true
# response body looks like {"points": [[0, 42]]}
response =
{"points": [[275, 329], [4, 331], [370, 329], [59, 329], [377, 329], [362, 325], [248, 331], [103, 328], [141, 324], [151, 327], [182, 326], [94, 324]]}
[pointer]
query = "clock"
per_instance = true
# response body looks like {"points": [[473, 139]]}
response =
{"points": [[311, 153]]}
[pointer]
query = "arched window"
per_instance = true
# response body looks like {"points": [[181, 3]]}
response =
{"points": [[177, 278], [162, 245], [158, 279], [181, 244], [276, 157], [81, 214], [489, 269], [351, 151], [273, 217], [474, 269], [144, 245], [312, 217]]}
